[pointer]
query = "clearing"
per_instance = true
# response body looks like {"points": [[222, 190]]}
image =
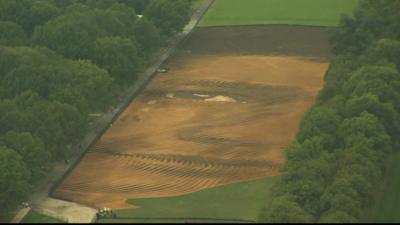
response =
{"points": [[170, 141]]}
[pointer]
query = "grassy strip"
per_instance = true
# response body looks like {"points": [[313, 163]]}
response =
{"points": [[196, 4], [293, 12], [170, 220], [388, 207], [7, 215], [238, 201], [35, 217]]}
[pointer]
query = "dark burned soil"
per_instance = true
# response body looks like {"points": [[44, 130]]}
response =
{"points": [[230, 103]]}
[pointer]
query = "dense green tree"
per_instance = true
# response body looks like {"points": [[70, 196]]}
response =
{"points": [[168, 15], [63, 4], [30, 77], [16, 11], [86, 83], [74, 6], [138, 5], [11, 118], [370, 103], [11, 34], [79, 83], [41, 12], [49, 81], [31, 149], [28, 56], [119, 56], [338, 73], [67, 35], [71, 121], [384, 49], [72, 34], [341, 196], [344, 141], [373, 19], [321, 121], [369, 127], [14, 177], [28, 14], [8, 61], [147, 35], [126, 16], [309, 172], [336, 216], [56, 123], [378, 80], [100, 4], [283, 210]]}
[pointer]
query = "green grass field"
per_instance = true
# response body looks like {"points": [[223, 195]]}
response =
{"points": [[35, 217], [388, 208], [239, 201], [294, 12], [7, 216]]}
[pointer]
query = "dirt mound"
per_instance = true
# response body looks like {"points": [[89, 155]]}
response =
{"points": [[220, 98]]}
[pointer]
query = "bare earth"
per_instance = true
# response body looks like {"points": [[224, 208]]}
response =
{"points": [[213, 119]]}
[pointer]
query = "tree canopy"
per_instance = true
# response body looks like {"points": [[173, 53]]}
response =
{"points": [[61, 60], [345, 139]]}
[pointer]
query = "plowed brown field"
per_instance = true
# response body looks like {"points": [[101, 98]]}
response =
{"points": [[216, 117]]}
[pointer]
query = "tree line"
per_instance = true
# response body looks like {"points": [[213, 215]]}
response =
{"points": [[61, 60], [345, 139]]}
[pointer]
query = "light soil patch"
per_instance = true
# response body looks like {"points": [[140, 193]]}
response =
{"points": [[169, 145], [66, 211]]}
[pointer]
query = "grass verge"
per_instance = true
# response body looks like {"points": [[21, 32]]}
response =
{"points": [[238, 202], [7, 215], [35, 217], [387, 209], [292, 12]]}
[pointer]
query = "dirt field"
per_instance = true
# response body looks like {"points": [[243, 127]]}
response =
{"points": [[258, 40], [222, 114]]}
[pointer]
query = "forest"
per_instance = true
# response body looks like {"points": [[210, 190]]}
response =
{"points": [[345, 140], [61, 60]]}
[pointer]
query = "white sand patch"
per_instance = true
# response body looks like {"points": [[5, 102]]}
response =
{"points": [[220, 98], [201, 96], [152, 102], [170, 95]]}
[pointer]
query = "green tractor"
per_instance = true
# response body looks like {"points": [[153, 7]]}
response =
{"points": [[105, 213]]}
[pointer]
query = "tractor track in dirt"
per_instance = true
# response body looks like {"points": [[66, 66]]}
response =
{"points": [[222, 114]]}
